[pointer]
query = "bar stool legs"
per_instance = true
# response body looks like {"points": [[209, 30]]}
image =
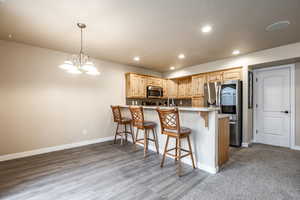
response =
{"points": [[155, 140], [165, 152], [116, 133], [177, 156], [191, 154], [124, 133], [146, 139]]}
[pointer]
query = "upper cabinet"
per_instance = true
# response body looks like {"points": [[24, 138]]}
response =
{"points": [[172, 88], [198, 82], [135, 85], [233, 74], [153, 81], [185, 87], [165, 88], [215, 76]]}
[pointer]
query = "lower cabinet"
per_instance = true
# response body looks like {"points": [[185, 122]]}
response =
{"points": [[223, 153]]}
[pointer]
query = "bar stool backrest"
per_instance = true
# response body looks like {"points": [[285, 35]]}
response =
{"points": [[116, 113], [169, 119], [137, 114]]}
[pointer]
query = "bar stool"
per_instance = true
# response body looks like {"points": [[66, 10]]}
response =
{"points": [[137, 114], [170, 126], [122, 121]]}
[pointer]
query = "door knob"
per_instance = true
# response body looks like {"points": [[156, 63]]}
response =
{"points": [[285, 111]]}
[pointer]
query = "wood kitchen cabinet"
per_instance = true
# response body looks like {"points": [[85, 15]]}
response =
{"points": [[233, 74], [223, 140], [172, 88], [135, 85], [198, 82], [198, 101], [185, 88], [215, 76], [155, 81], [165, 88]]}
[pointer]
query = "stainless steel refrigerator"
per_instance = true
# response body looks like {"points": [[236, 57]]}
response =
{"points": [[228, 97]]}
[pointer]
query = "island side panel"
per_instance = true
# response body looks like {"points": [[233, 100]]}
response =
{"points": [[204, 140]]}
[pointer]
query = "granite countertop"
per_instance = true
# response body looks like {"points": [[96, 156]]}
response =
{"points": [[192, 109]]}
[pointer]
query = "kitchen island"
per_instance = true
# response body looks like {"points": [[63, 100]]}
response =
{"points": [[204, 123]]}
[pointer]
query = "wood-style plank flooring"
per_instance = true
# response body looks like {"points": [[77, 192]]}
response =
{"points": [[106, 171]]}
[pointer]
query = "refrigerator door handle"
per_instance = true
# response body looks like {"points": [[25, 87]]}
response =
{"points": [[219, 96]]}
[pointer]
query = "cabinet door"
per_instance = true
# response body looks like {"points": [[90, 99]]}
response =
{"points": [[232, 74], [185, 88], [155, 81], [198, 102], [181, 88], [224, 137], [165, 88], [172, 88], [135, 86], [198, 82], [215, 77]]}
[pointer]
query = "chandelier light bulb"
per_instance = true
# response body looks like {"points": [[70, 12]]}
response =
{"points": [[89, 66], [74, 71], [68, 65]]}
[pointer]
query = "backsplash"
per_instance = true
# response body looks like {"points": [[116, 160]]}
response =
{"points": [[158, 102]]}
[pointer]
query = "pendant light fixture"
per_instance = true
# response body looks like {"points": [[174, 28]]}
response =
{"points": [[80, 63]]}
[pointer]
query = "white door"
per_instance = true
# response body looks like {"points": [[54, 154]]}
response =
{"points": [[273, 107]]}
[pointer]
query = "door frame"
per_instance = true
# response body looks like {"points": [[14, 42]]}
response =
{"points": [[292, 144]]}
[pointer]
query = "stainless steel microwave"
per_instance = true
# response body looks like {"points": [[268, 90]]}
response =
{"points": [[154, 92]]}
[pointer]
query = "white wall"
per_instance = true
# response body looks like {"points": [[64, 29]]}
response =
{"points": [[43, 106], [287, 52]]}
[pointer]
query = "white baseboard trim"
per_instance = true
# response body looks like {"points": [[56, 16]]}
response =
{"points": [[207, 168], [296, 148], [52, 149], [246, 144], [200, 166]]}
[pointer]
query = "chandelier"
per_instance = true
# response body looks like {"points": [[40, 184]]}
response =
{"points": [[80, 63]]}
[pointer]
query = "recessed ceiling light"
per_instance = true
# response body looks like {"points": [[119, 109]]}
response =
{"points": [[206, 29], [10, 36], [136, 58], [278, 25], [172, 68], [236, 52], [181, 56]]}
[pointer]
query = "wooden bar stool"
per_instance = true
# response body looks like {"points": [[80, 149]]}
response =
{"points": [[122, 121], [137, 114], [170, 126]]}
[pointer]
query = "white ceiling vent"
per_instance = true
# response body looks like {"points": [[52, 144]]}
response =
{"points": [[278, 25]]}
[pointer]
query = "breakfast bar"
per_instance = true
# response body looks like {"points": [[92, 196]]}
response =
{"points": [[204, 123]]}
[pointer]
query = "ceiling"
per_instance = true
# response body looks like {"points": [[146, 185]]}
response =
{"points": [[156, 31]]}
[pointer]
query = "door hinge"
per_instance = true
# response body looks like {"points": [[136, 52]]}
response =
{"points": [[256, 131], [256, 105], [256, 79]]}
